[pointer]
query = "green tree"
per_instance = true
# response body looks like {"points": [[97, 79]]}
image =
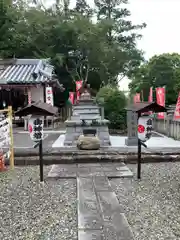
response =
{"points": [[114, 102], [83, 8], [8, 19], [159, 71], [121, 36], [140, 82], [77, 47]]}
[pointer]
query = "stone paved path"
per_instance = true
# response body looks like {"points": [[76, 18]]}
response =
{"points": [[100, 216]]}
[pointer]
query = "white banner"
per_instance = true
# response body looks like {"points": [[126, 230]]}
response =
{"points": [[49, 96], [144, 128]]}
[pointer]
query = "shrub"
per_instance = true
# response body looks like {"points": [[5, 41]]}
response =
{"points": [[114, 102]]}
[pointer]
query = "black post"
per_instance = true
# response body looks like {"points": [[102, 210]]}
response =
{"points": [[139, 160], [44, 96], [41, 161], [139, 155]]}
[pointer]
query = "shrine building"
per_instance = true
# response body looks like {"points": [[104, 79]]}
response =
{"points": [[23, 81]]}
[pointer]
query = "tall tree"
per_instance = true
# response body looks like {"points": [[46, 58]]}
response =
{"points": [[8, 19], [83, 8], [78, 47], [121, 36]]}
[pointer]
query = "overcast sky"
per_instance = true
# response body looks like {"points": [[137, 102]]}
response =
{"points": [[162, 32], [163, 23]]}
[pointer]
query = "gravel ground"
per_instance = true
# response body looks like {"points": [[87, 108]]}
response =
{"points": [[29, 211], [152, 205]]}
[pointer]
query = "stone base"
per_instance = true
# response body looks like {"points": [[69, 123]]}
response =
{"points": [[131, 141], [73, 133]]}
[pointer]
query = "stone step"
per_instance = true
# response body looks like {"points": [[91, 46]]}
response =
{"points": [[86, 102], [85, 107], [86, 111], [73, 143], [74, 151]]}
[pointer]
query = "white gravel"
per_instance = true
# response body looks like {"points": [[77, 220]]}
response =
{"points": [[29, 211], [152, 205]]}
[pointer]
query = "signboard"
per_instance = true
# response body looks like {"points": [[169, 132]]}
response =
{"points": [[4, 131], [160, 98], [35, 128], [144, 128], [49, 96], [177, 110]]}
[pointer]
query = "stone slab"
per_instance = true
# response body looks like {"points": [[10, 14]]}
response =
{"points": [[109, 204], [100, 215], [123, 167], [102, 171], [118, 228], [101, 183], [63, 171], [109, 168], [90, 235], [89, 165], [83, 172], [85, 183], [119, 174], [89, 216]]}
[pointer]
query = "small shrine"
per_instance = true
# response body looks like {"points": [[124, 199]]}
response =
{"points": [[86, 119]]}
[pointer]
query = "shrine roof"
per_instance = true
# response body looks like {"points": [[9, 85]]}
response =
{"points": [[142, 107], [38, 108], [26, 71]]}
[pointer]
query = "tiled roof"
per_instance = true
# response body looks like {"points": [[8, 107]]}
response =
{"points": [[38, 108], [142, 107], [25, 71]]}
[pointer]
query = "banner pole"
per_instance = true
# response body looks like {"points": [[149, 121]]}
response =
{"points": [[11, 138]]}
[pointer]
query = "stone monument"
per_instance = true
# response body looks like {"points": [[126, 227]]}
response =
{"points": [[86, 119], [132, 119]]}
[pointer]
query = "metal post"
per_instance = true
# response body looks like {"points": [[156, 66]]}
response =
{"points": [[139, 155], [139, 160], [41, 161]]}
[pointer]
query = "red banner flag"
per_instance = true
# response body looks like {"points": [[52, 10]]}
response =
{"points": [[78, 86], [150, 98], [71, 97], [137, 98], [160, 98], [177, 110]]}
